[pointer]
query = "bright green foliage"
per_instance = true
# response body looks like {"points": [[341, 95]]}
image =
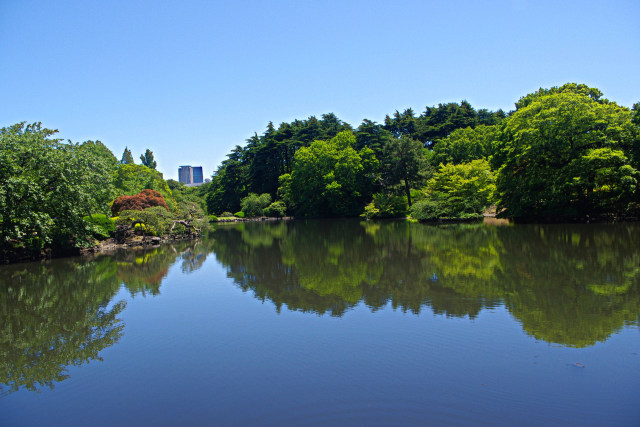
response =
{"points": [[147, 159], [102, 225], [239, 214], [386, 205], [256, 168], [131, 179], [331, 178], [567, 155], [276, 209], [212, 218], [404, 164], [581, 89], [127, 157], [457, 191], [47, 186], [188, 195], [465, 145], [253, 205]]}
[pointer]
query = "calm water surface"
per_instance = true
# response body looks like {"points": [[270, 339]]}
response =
{"points": [[331, 323]]}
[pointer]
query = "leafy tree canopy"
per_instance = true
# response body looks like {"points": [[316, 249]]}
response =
{"points": [[147, 159], [127, 157], [332, 178], [47, 186], [567, 154]]}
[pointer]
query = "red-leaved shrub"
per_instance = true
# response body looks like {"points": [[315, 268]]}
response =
{"points": [[142, 200]]}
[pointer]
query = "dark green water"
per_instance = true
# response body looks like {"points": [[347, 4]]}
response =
{"points": [[331, 323]]}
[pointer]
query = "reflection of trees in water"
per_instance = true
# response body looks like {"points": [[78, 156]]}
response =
{"points": [[569, 284], [55, 315], [572, 284], [60, 313]]}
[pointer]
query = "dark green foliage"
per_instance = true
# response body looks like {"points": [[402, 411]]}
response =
{"points": [[373, 136], [127, 157], [438, 122], [636, 113], [229, 183], [147, 159], [403, 164], [256, 168]]}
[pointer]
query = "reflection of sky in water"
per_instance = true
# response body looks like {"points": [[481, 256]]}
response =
{"points": [[521, 323]]}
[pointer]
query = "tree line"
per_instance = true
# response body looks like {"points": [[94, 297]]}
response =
{"points": [[563, 153]]}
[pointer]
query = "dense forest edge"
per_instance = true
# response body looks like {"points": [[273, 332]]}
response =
{"points": [[563, 154]]}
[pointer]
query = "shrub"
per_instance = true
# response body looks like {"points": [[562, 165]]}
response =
{"points": [[386, 206], [225, 214], [144, 199], [213, 218], [370, 211], [239, 214], [156, 220], [426, 210], [253, 205], [101, 225], [276, 209]]}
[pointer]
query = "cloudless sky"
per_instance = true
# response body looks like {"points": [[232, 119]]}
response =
{"points": [[192, 79]]}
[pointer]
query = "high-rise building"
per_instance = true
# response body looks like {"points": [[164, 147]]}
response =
{"points": [[191, 176]]}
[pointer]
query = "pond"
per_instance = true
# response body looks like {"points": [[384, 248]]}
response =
{"points": [[331, 322]]}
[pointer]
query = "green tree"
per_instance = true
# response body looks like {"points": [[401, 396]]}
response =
{"points": [[403, 163], [254, 205], [127, 157], [101, 160], [464, 145], [438, 122], [331, 177], [372, 135], [581, 89], [147, 159], [46, 187], [132, 179], [567, 154], [229, 183], [457, 191], [636, 113]]}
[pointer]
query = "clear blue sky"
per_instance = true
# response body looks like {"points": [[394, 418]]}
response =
{"points": [[191, 79]]}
